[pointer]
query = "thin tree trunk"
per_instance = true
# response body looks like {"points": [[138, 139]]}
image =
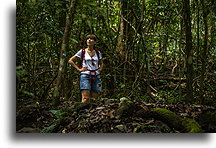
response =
{"points": [[188, 51], [65, 42], [122, 53], [198, 33], [181, 60], [121, 41], [204, 52]]}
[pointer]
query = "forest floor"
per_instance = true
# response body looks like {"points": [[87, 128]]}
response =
{"points": [[103, 117]]}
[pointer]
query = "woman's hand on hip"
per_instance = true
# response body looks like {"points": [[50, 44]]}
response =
{"points": [[83, 69]]}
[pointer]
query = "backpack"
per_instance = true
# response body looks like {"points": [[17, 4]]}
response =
{"points": [[83, 56]]}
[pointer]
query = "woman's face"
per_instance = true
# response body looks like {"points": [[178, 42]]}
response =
{"points": [[90, 42]]}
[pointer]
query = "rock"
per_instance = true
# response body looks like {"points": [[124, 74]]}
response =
{"points": [[29, 130], [120, 127], [82, 105], [126, 108], [124, 99]]}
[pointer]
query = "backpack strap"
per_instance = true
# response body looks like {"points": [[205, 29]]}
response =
{"points": [[83, 54], [82, 57], [97, 52]]}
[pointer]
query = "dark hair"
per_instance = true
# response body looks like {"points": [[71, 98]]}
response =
{"points": [[91, 36]]}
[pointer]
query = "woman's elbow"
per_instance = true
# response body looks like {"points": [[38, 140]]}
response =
{"points": [[70, 61]]}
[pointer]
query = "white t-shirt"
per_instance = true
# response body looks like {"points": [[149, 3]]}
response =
{"points": [[88, 61]]}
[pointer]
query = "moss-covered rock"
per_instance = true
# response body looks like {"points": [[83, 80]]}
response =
{"points": [[191, 126], [175, 121], [126, 108]]}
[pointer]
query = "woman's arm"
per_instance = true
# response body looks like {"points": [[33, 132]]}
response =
{"points": [[72, 62], [101, 65]]}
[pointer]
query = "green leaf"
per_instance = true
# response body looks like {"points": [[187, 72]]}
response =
{"points": [[122, 85], [74, 41], [57, 113], [49, 128]]}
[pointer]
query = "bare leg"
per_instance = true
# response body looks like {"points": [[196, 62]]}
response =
{"points": [[85, 95], [94, 95]]}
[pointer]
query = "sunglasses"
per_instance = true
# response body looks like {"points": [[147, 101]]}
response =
{"points": [[91, 39], [93, 64]]}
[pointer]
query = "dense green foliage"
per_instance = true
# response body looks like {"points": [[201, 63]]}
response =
{"points": [[153, 65]]}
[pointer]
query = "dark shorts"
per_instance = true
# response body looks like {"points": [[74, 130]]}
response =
{"points": [[92, 84]]}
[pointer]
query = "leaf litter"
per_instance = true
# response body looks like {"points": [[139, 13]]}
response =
{"points": [[102, 117]]}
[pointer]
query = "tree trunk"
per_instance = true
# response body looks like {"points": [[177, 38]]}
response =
{"points": [[122, 53], [198, 33], [65, 43], [188, 51], [122, 28], [204, 52]]}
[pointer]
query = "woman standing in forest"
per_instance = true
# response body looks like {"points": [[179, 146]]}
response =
{"points": [[90, 66]]}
